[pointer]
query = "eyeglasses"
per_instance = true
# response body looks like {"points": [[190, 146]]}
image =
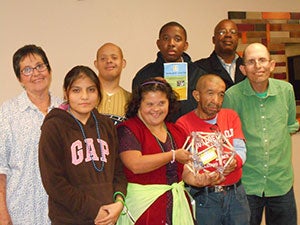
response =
{"points": [[28, 71], [224, 31], [260, 61]]}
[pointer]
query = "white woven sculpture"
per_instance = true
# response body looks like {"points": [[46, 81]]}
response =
{"points": [[211, 151]]}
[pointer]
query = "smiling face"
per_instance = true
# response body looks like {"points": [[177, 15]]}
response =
{"points": [[225, 37], [109, 62], [38, 82], [82, 97], [257, 64], [154, 108], [172, 43]]}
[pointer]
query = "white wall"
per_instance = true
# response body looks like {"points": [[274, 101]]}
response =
{"points": [[70, 31]]}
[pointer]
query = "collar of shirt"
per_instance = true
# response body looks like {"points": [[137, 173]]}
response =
{"points": [[25, 103], [229, 67], [248, 90]]}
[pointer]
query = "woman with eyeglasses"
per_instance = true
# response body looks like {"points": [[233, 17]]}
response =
{"points": [[151, 150], [23, 199]]}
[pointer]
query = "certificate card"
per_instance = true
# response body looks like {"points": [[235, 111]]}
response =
{"points": [[176, 74]]}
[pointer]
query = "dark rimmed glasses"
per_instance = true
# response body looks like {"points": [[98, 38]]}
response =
{"points": [[28, 71]]}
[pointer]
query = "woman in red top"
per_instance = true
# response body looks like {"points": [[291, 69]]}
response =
{"points": [[150, 148]]}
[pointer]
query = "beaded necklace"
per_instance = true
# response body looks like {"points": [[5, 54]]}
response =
{"points": [[98, 136], [159, 142]]}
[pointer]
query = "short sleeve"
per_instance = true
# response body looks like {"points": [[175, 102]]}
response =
{"points": [[127, 140]]}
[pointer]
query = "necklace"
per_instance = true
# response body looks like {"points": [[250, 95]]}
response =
{"points": [[159, 142], [98, 136]]}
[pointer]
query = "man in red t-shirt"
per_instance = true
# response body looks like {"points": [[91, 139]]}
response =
{"points": [[220, 197]]}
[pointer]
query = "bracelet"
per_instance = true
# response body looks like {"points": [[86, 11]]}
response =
{"points": [[173, 156], [118, 193], [120, 200]]}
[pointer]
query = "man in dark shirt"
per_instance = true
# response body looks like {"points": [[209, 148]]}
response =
{"points": [[224, 61]]}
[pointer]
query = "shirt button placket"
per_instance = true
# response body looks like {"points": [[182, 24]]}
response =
{"points": [[264, 139]]}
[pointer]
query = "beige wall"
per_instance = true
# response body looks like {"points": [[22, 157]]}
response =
{"points": [[71, 30]]}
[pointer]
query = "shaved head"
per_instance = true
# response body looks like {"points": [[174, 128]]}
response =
{"points": [[109, 45], [204, 79]]}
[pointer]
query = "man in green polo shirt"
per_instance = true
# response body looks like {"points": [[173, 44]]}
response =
{"points": [[267, 110]]}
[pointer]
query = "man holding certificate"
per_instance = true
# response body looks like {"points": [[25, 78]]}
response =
{"points": [[174, 65]]}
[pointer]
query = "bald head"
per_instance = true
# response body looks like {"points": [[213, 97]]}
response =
{"points": [[109, 46], [222, 23], [203, 81], [258, 48]]}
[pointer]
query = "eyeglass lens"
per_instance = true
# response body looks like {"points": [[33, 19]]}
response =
{"points": [[29, 70]]}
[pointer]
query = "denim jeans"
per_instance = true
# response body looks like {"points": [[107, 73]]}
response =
{"points": [[223, 208], [279, 210]]}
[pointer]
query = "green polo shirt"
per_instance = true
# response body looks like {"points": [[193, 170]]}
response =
{"points": [[267, 123]]}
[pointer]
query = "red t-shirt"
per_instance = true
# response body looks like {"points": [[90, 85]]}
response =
{"points": [[228, 123]]}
